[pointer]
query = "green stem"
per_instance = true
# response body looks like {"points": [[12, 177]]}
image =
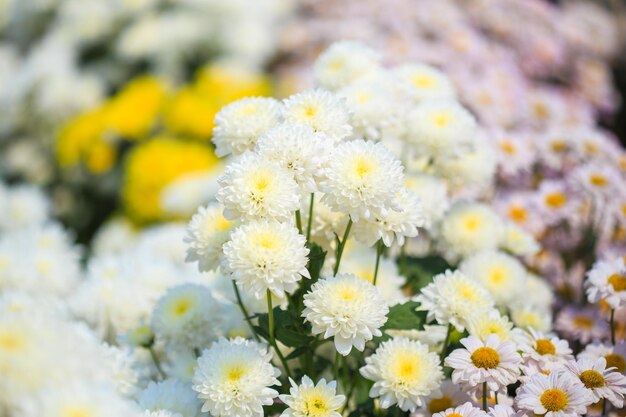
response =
{"points": [[612, 323], [485, 396], [310, 219], [270, 317], [298, 221], [342, 245], [353, 383], [157, 364], [244, 311], [336, 366], [379, 252], [442, 355]]}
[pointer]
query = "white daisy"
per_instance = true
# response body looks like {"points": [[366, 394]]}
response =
{"points": [[542, 352], [607, 281], [207, 231], [554, 395], [451, 395], [602, 382], [344, 62], [494, 362], [597, 180], [171, 395], [582, 324], [312, 400], [238, 125], [325, 112], [404, 372], [615, 355], [266, 255], [254, 187], [465, 410], [423, 82], [554, 202], [453, 298], [362, 179], [347, 308], [234, 377]]}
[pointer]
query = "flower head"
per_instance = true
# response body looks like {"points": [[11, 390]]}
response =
{"points": [[465, 410], [424, 82], [325, 112], [208, 230], [554, 395], [312, 400], [602, 382], [607, 281], [343, 63]]}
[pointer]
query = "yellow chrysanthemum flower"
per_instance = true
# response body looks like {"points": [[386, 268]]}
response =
{"points": [[225, 83], [190, 112], [152, 165]]}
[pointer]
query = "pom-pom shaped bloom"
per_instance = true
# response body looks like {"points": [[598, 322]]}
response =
{"points": [[312, 400], [344, 62], [501, 274], [600, 381], [266, 255], [325, 112], [607, 281], [518, 241], [234, 377], [440, 127], [424, 82], [554, 395], [345, 307], [362, 179], [238, 125], [299, 149], [254, 187], [207, 231], [485, 323], [171, 395], [404, 372], [453, 298], [494, 362]]}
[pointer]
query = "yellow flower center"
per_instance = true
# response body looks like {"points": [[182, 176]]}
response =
{"points": [[181, 306], [618, 282], [541, 110], [545, 347], [558, 146], [518, 214], [553, 399], [347, 294], [485, 357], [309, 111], [11, 342], [556, 200], [583, 322], [497, 275], [406, 368], [508, 147], [441, 119], [613, 360], [590, 147], [266, 240], [363, 167], [455, 415], [592, 379], [437, 405], [76, 412], [423, 81], [316, 405], [362, 98], [222, 224], [262, 181], [471, 223], [598, 180]]}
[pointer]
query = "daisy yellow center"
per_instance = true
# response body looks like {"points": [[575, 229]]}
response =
{"points": [[455, 415], [471, 223], [518, 214], [618, 282], [556, 199], [558, 146], [235, 373], [181, 306], [441, 119], [598, 180], [11, 342], [613, 360], [407, 368], [545, 347], [486, 358], [541, 110], [590, 147], [437, 405], [583, 322], [315, 405], [507, 147], [423, 81], [363, 166], [592, 379], [553, 399], [76, 412]]}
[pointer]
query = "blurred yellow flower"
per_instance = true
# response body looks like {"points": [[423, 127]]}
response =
{"points": [[225, 83], [152, 165], [190, 112]]}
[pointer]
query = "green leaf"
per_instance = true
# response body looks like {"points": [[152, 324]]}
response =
{"points": [[405, 317], [419, 272], [298, 352]]}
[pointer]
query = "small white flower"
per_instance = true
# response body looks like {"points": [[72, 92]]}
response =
{"points": [[238, 125], [554, 395], [325, 112], [600, 381], [254, 187], [598, 181], [607, 281], [234, 377], [518, 241], [311, 400], [347, 308], [494, 362], [208, 230], [424, 82], [453, 298], [344, 62], [171, 395], [554, 202], [484, 324], [542, 352], [362, 179], [404, 372], [266, 255], [465, 410]]}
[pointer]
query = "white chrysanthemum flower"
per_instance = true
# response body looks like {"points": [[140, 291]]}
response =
{"points": [[528, 316], [465, 410], [453, 298], [501, 274], [347, 308], [299, 149], [484, 324], [433, 194], [440, 127], [238, 125], [543, 295], [311, 400], [234, 377], [266, 255], [607, 281], [187, 315], [171, 395], [615, 355], [22, 206], [542, 352], [475, 166], [181, 197], [344, 62], [424, 82], [492, 361], [518, 241], [362, 179], [396, 225], [115, 236], [451, 395], [599, 380], [325, 112], [254, 187], [207, 231], [554, 395], [404, 372], [470, 227], [122, 364]]}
